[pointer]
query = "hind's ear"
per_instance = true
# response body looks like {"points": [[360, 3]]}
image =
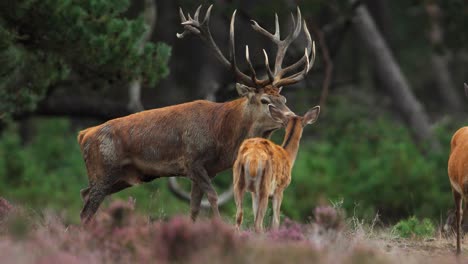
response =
{"points": [[311, 116]]}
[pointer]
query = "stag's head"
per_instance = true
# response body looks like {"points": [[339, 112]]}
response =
{"points": [[261, 93]]}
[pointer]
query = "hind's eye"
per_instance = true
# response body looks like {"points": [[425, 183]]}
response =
{"points": [[264, 101]]}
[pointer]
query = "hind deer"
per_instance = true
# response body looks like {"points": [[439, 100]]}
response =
{"points": [[197, 139], [458, 173], [264, 168]]}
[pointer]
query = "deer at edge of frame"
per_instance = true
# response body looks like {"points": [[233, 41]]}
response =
{"points": [[458, 174]]}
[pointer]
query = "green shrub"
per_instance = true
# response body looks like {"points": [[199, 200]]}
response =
{"points": [[372, 164], [412, 227]]}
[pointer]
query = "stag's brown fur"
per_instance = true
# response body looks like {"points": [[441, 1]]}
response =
{"points": [[264, 169], [196, 139]]}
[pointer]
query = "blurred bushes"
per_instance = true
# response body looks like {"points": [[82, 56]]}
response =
{"points": [[372, 164], [136, 240]]}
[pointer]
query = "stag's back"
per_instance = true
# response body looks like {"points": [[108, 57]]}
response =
{"points": [[160, 142], [458, 161]]}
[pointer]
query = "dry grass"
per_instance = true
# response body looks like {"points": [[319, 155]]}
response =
{"points": [[119, 235]]}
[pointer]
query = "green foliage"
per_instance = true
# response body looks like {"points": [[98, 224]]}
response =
{"points": [[412, 227], [371, 164], [42, 41]]}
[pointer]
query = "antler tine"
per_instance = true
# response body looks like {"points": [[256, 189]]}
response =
{"points": [[181, 14], [263, 31], [267, 65], [283, 46], [197, 12], [299, 75], [206, 20], [247, 58], [232, 52], [193, 25], [310, 47], [312, 61], [277, 28]]}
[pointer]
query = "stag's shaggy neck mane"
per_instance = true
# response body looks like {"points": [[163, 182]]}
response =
{"points": [[233, 122]]}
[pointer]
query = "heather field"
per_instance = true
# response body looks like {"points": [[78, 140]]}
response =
{"points": [[121, 235]]}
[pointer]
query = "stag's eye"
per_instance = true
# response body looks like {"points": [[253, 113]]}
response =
{"points": [[264, 101]]}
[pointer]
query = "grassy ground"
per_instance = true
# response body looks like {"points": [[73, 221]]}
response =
{"points": [[121, 235]]}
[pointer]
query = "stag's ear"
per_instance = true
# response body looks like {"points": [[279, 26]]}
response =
{"points": [[277, 115], [245, 90], [311, 116]]}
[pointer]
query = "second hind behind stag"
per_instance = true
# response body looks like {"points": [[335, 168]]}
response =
{"points": [[264, 168]]}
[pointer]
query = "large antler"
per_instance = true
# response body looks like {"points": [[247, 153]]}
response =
{"points": [[275, 78], [193, 25], [307, 60]]}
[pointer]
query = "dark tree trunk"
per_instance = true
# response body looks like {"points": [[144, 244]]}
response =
{"points": [[440, 63], [394, 81]]}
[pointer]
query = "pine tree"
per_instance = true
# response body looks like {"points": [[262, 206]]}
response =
{"points": [[43, 41]]}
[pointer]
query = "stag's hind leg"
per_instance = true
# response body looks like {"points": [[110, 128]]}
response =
{"points": [[199, 175], [95, 197], [106, 180], [196, 196]]}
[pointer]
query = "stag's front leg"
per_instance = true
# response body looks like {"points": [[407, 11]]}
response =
{"points": [[201, 178], [195, 200]]}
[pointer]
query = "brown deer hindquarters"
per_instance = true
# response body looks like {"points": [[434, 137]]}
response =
{"points": [[100, 155]]}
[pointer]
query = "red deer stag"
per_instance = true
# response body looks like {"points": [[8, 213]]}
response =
{"points": [[458, 173], [196, 139], [264, 168]]}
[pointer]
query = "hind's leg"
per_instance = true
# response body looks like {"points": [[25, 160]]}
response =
{"points": [[239, 197], [458, 215], [261, 210], [239, 190], [276, 205]]}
